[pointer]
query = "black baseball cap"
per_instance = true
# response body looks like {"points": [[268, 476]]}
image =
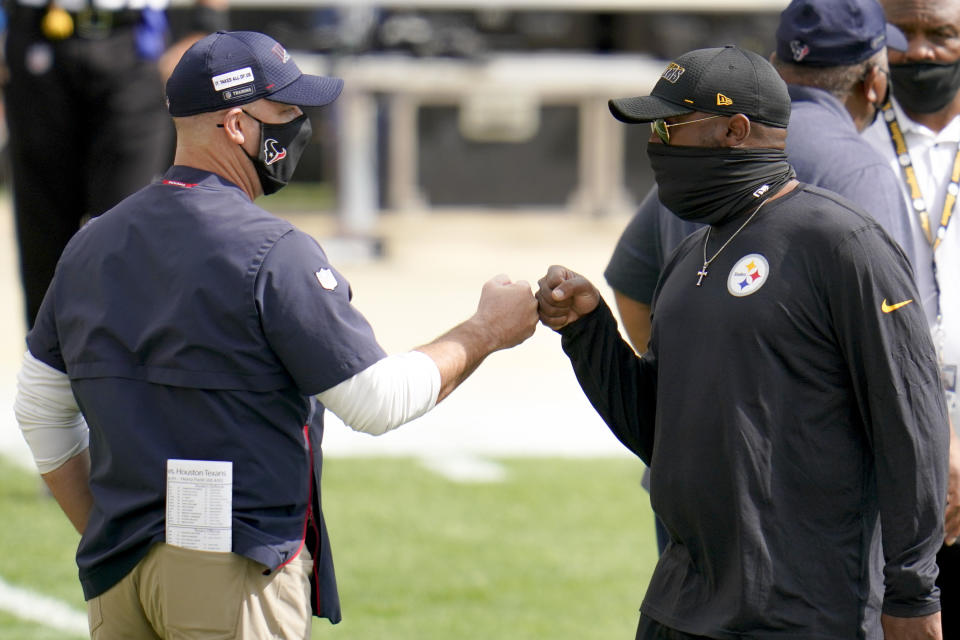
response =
{"points": [[724, 81], [834, 33], [230, 68]]}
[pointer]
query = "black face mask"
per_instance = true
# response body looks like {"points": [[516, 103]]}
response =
{"points": [[925, 87], [281, 146], [714, 185]]}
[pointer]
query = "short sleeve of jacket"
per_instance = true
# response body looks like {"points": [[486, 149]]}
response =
{"points": [[307, 317]]}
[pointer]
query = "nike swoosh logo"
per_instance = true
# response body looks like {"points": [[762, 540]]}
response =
{"points": [[889, 308]]}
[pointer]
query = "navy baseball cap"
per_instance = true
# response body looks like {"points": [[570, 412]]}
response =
{"points": [[724, 81], [834, 33], [230, 68]]}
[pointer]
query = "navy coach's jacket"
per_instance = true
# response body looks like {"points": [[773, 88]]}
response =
{"points": [[195, 325]]}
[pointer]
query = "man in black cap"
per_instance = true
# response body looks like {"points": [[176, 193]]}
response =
{"points": [[789, 404], [832, 54], [192, 330]]}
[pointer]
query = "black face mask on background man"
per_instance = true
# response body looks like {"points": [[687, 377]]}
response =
{"points": [[281, 146], [714, 185], [925, 87]]}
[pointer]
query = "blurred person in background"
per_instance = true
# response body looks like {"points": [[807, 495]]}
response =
{"points": [[789, 403], [919, 136], [191, 330], [833, 56], [84, 103]]}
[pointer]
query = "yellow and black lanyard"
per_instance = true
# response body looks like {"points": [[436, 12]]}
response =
{"points": [[909, 175]]}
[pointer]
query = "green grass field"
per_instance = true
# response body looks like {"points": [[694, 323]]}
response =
{"points": [[562, 549]]}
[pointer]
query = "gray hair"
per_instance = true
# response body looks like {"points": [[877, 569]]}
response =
{"points": [[838, 81]]}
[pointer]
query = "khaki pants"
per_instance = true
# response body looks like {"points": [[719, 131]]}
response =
{"points": [[179, 594]]}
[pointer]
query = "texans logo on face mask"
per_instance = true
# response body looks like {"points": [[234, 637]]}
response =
{"points": [[271, 153]]}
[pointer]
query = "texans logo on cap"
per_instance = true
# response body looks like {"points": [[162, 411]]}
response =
{"points": [[799, 50], [280, 52]]}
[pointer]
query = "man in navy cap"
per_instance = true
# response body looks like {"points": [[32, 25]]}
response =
{"points": [[919, 137], [195, 334], [789, 403], [832, 54]]}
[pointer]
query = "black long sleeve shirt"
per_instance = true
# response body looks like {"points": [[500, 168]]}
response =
{"points": [[790, 408]]}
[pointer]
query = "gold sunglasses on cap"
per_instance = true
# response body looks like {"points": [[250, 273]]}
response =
{"points": [[662, 129]]}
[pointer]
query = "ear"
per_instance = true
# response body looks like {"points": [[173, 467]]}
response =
{"points": [[872, 85], [738, 130], [231, 125]]}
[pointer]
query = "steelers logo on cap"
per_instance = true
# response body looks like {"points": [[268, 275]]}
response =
{"points": [[748, 275]]}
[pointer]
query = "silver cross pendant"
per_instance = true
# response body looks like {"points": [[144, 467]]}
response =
{"points": [[703, 274]]}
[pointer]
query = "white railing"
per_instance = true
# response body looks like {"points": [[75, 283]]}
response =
{"points": [[493, 87]]}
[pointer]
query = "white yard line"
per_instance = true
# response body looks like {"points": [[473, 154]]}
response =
{"points": [[43, 610], [465, 468]]}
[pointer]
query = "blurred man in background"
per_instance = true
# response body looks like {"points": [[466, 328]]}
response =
{"points": [[84, 104], [919, 135]]}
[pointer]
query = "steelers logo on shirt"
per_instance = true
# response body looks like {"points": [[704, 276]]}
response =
{"points": [[748, 275]]}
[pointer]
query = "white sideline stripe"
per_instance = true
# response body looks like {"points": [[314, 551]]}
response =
{"points": [[44, 610], [465, 468]]}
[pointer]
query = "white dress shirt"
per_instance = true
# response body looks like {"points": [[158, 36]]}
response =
{"points": [[932, 155]]}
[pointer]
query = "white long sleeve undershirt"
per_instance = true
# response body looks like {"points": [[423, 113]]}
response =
{"points": [[387, 394], [48, 414]]}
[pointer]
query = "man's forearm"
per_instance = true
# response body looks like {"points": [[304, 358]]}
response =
{"points": [[70, 486], [952, 511], [505, 317], [458, 352], [921, 628]]}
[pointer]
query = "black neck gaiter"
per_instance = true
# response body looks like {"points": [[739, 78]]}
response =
{"points": [[713, 185]]}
